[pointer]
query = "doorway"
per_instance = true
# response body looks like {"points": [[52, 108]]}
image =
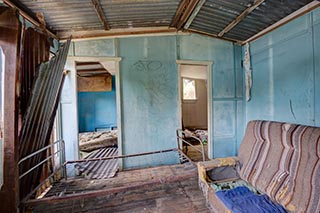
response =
{"points": [[195, 98], [90, 104], [97, 116]]}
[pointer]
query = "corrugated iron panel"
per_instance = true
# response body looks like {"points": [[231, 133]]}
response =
{"points": [[66, 15], [99, 169], [39, 117], [35, 50], [215, 15], [71, 15], [142, 13], [265, 15]]}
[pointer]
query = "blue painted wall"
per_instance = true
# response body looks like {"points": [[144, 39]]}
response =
{"points": [[149, 91], [149, 82], [97, 109], [286, 73]]}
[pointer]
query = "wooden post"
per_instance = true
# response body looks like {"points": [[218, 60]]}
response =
{"points": [[9, 42]]}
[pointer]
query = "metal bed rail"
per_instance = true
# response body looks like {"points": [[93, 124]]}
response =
{"points": [[181, 140], [56, 149]]}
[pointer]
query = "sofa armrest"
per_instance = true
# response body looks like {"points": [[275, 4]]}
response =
{"points": [[204, 167]]}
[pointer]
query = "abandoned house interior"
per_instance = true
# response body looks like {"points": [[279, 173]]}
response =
{"points": [[160, 106]]}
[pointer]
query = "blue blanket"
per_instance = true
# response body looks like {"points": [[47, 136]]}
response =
{"points": [[242, 200]]}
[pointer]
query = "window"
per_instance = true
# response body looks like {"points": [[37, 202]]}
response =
{"points": [[189, 89]]}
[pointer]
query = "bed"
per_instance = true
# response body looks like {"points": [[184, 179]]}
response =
{"points": [[89, 141]]}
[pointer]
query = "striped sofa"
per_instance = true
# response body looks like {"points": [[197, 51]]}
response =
{"points": [[280, 160]]}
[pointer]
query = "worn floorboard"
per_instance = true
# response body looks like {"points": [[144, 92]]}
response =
{"points": [[175, 189]]}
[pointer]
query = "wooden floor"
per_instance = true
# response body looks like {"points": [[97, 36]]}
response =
{"points": [[160, 189]]}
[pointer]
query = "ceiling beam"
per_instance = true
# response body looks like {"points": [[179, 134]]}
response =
{"points": [[98, 70], [236, 21], [93, 34], [187, 13], [29, 17], [182, 6], [194, 14], [213, 35], [100, 13], [183, 13], [84, 63]]}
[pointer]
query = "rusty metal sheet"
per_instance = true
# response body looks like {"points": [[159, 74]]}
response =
{"points": [[99, 169], [35, 49], [215, 15], [265, 15], [38, 120]]}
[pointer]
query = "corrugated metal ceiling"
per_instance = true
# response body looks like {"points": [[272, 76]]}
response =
{"points": [[211, 17], [215, 15], [146, 13], [266, 14]]}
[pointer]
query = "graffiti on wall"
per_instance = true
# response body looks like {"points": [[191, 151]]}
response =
{"points": [[154, 93]]}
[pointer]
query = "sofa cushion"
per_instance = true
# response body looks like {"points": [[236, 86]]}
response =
{"points": [[282, 160], [242, 200]]}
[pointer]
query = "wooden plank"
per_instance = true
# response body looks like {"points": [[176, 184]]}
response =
{"points": [[94, 70], [94, 34], [100, 13], [109, 191], [236, 21], [194, 14], [9, 42], [94, 83], [85, 63], [182, 6], [187, 13], [212, 35]]}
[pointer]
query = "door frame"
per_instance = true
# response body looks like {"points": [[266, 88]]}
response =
{"points": [[209, 65], [71, 66]]}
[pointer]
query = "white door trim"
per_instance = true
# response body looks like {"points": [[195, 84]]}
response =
{"points": [[209, 96]]}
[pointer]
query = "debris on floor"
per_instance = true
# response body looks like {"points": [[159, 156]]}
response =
{"points": [[89, 141], [99, 169]]}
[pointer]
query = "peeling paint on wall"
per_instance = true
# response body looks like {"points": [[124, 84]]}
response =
{"points": [[248, 71]]}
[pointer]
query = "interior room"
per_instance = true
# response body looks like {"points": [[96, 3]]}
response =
{"points": [[160, 106], [194, 108], [97, 116]]}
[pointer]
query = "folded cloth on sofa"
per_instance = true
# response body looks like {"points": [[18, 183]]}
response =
{"points": [[243, 200]]}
